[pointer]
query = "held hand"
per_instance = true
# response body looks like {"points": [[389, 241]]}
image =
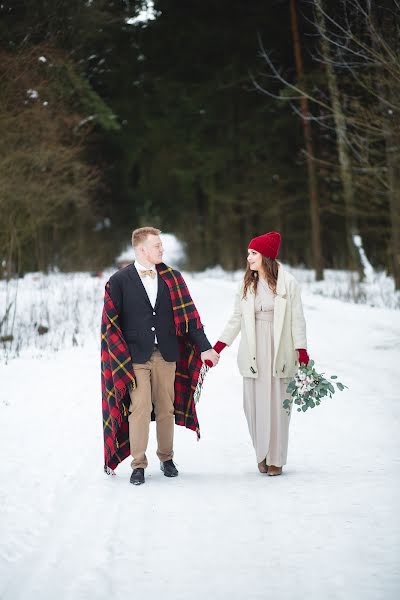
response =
{"points": [[303, 356], [218, 347], [210, 357]]}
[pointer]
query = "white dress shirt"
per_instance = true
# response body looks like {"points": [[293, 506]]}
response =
{"points": [[150, 285]]}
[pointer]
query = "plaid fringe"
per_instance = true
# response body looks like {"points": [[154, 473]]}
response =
{"points": [[197, 393]]}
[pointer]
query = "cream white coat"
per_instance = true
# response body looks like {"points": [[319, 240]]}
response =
{"points": [[289, 328]]}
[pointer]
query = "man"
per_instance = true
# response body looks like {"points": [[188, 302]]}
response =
{"points": [[147, 297]]}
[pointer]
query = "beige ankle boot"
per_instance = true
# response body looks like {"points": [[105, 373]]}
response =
{"points": [[262, 466], [273, 471]]}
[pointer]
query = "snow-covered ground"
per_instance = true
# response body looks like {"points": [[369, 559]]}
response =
{"points": [[328, 528]]}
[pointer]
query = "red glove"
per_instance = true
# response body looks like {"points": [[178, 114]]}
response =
{"points": [[218, 347], [303, 356]]}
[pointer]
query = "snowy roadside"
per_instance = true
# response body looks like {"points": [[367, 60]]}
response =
{"points": [[328, 528], [60, 311], [42, 314], [376, 290]]}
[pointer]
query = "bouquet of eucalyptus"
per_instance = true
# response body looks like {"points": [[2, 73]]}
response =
{"points": [[309, 387]]}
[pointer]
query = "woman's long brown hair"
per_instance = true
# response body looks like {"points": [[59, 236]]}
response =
{"points": [[270, 267]]}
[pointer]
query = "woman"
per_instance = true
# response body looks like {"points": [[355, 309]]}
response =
{"points": [[269, 314]]}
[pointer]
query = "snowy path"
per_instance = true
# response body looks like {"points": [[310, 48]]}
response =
{"points": [[328, 528]]}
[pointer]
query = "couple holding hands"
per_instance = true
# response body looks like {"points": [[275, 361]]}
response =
{"points": [[154, 347]]}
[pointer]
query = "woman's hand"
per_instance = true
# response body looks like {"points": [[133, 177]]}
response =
{"points": [[303, 356], [218, 347]]}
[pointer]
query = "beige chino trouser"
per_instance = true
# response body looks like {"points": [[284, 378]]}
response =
{"points": [[154, 386]]}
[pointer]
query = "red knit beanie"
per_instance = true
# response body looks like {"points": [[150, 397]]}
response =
{"points": [[267, 244]]}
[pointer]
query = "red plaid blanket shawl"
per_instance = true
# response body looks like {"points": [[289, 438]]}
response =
{"points": [[118, 378]]}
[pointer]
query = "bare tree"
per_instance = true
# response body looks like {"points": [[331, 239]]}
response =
{"points": [[341, 138], [363, 112], [366, 47]]}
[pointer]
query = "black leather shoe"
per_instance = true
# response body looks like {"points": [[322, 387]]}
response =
{"points": [[137, 477], [169, 469]]}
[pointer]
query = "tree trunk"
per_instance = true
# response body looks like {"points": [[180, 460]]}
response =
{"points": [[312, 174], [341, 142], [394, 198], [392, 146]]}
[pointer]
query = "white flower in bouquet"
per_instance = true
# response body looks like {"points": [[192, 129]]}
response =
{"points": [[309, 387]]}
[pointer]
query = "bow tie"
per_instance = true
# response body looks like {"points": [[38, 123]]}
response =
{"points": [[149, 272]]}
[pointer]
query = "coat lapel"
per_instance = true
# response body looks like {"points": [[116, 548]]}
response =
{"points": [[160, 289], [250, 322], [279, 307]]}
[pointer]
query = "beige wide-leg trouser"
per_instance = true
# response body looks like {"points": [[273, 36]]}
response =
{"points": [[154, 385]]}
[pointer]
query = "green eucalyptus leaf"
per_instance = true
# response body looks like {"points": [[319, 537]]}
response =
{"points": [[319, 388]]}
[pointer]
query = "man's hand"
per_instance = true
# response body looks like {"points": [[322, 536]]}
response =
{"points": [[210, 356]]}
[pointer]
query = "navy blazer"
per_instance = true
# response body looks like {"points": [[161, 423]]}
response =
{"points": [[140, 322]]}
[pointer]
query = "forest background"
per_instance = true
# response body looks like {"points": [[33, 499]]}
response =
{"points": [[215, 121]]}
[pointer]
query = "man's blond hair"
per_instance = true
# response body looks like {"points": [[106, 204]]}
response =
{"points": [[140, 235]]}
